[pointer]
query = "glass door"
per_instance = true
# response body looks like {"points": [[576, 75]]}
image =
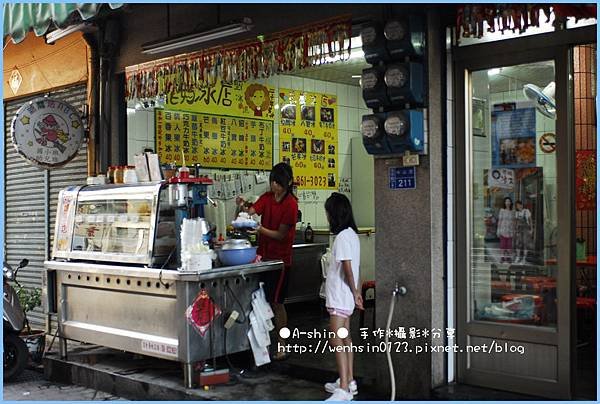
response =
{"points": [[513, 283], [513, 197]]}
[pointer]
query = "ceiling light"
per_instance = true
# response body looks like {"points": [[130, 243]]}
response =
{"points": [[200, 37], [493, 72], [61, 33]]}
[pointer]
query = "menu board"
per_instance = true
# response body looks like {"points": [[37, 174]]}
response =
{"points": [[214, 141], [308, 137], [231, 99]]}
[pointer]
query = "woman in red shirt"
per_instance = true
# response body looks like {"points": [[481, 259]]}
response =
{"points": [[278, 209]]}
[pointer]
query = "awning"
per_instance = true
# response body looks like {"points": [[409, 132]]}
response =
{"points": [[19, 18]]}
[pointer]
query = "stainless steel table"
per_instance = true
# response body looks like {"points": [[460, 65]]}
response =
{"points": [[142, 310]]}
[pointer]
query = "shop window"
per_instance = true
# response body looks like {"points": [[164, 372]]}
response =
{"points": [[513, 218]]}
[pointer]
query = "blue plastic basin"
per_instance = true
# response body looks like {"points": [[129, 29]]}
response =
{"points": [[239, 256]]}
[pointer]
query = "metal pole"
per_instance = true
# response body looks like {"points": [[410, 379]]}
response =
{"points": [[47, 238], [188, 372]]}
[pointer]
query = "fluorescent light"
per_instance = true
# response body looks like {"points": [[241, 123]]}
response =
{"points": [[61, 33], [493, 72], [193, 39], [356, 52], [356, 76]]}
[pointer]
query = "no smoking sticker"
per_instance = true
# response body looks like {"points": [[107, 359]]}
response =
{"points": [[548, 142]]}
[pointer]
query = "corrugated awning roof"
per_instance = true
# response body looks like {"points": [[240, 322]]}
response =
{"points": [[19, 18]]}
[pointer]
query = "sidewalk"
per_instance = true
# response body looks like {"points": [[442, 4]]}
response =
{"points": [[32, 386], [138, 377]]}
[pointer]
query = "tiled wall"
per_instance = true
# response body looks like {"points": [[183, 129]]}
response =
{"points": [[140, 134], [450, 150]]}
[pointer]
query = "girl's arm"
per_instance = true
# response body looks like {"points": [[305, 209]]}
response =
{"points": [[241, 202], [347, 268], [278, 234]]}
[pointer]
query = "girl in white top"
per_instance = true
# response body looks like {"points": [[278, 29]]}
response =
{"points": [[342, 291], [506, 230]]}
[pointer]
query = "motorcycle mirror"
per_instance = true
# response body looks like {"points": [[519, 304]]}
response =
{"points": [[24, 262]]}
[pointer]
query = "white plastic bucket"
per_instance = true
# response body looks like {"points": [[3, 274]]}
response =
{"points": [[196, 261]]}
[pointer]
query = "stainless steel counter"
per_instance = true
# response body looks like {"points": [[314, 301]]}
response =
{"points": [[143, 310], [305, 275]]}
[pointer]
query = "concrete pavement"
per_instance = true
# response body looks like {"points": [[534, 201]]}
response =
{"points": [[31, 386]]}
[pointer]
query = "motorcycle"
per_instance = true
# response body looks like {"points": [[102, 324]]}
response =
{"points": [[16, 353]]}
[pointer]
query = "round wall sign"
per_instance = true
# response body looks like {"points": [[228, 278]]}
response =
{"points": [[548, 142], [47, 132]]}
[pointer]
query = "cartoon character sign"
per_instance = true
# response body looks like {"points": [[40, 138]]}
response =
{"points": [[50, 133], [258, 98], [47, 132]]}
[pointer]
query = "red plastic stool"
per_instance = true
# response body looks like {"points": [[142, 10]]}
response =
{"points": [[366, 285]]}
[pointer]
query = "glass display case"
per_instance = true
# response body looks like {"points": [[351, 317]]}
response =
{"points": [[115, 223]]}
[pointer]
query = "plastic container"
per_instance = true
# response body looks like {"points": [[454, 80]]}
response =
{"points": [[169, 171], [130, 176], [119, 172], [309, 234], [238, 256], [183, 172], [110, 175], [101, 179], [196, 261]]}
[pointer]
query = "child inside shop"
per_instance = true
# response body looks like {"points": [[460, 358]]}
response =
{"points": [[506, 229], [523, 233], [342, 293], [278, 209]]}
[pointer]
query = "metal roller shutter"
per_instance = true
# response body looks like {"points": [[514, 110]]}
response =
{"points": [[30, 195]]}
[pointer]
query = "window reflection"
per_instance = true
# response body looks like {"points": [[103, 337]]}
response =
{"points": [[513, 206]]}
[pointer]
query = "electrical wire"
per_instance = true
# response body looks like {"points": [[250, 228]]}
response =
{"points": [[243, 312], [166, 285]]}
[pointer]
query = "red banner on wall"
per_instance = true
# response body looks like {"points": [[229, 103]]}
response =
{"points": [[585, 179]]}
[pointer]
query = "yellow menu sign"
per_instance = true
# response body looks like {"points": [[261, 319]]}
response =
{"points": [[214, 141], [231, 99], [308, 137]]}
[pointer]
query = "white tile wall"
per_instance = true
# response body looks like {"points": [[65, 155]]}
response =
{"points": [[309, 85], [450, 226], [451, 291], [450, 169], [344, 137], [353, 93], [285, 82], [450, 123], [297, 83], [342, 93], [140, 132], [343, 118]]}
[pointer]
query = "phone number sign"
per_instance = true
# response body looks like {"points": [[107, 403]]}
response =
{"points": [[403, 178]]}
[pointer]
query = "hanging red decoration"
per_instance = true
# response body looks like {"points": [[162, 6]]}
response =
{"points": [[291, 50], [202, 312], [514, 17]]}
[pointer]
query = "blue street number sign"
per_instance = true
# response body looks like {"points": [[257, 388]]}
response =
{"points": [[402, 178]]}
